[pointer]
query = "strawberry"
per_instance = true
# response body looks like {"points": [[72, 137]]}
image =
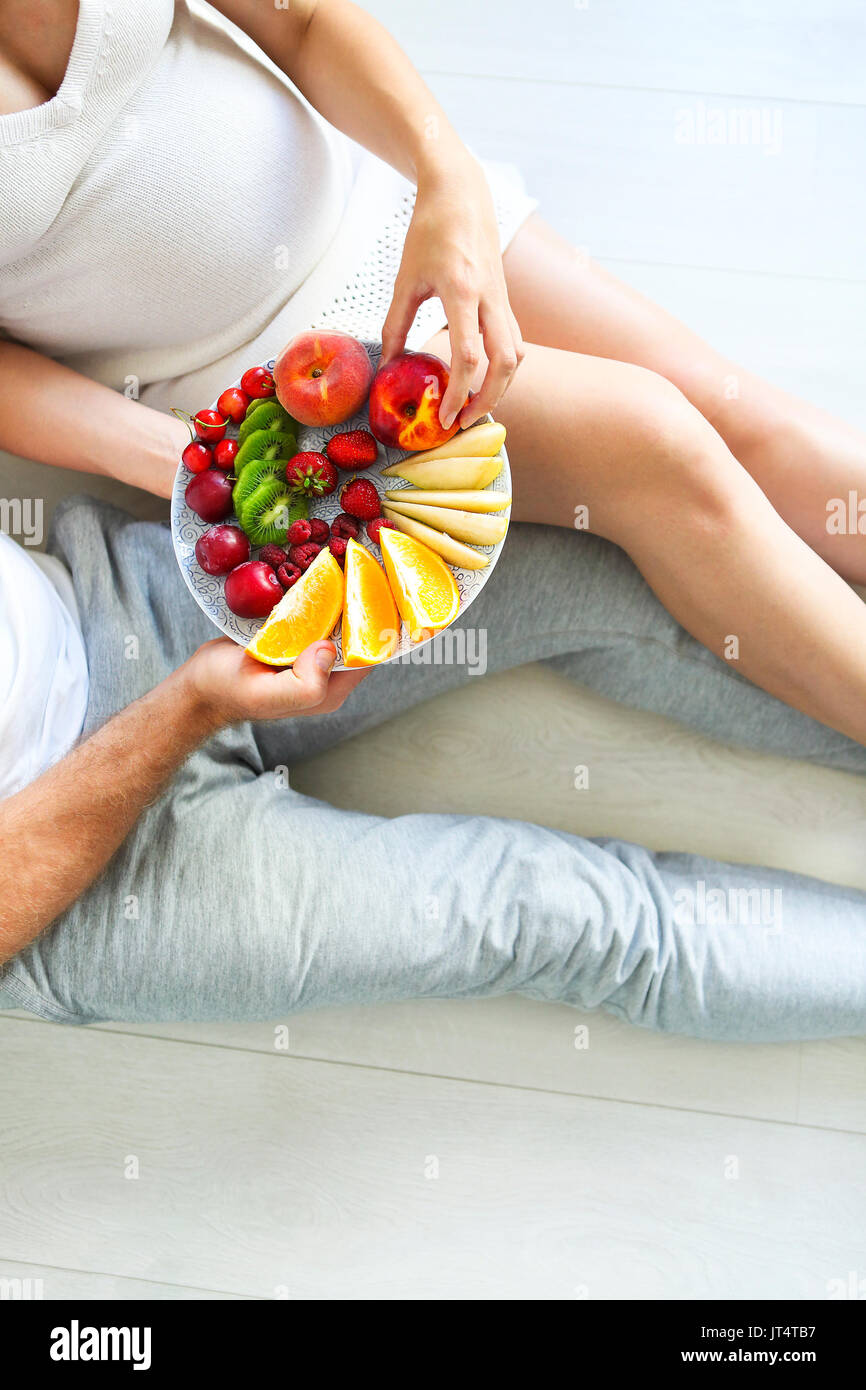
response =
{"points": [[354, 449], [376, 525], [360, 498], [312, 474]]}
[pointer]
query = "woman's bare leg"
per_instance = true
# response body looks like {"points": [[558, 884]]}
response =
{"points": [[801, 456], [619, 450]]}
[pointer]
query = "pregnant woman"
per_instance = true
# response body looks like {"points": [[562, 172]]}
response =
{"points": [[173, 211]]}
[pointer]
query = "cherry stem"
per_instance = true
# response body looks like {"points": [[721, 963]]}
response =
{"points": [[183, 415]]}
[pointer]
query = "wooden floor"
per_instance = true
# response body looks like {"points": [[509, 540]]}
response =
{"points": [[478, 1150]]}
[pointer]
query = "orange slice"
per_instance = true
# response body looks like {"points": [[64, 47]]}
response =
{"points": [[306, 613], [371, 623], [423, 585]]}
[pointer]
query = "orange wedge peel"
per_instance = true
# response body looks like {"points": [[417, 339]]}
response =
{"points": [[371, 623], [306, 613], [421, 582]]}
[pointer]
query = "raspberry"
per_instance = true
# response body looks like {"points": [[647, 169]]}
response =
{"points": [[288, 575], [319, 530], [345, 526], [337, 546], [304, 555], [376, 525], [360, 498], [299, 532], [312, 474], [355, 449], [273, 555]]}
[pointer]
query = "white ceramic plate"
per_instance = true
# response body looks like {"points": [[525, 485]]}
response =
{"points": [[209, 591]]}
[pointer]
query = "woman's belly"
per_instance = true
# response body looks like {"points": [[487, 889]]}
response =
{"points": [[205, 203]]}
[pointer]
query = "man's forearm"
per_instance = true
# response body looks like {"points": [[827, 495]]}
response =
{"points": [[54, 415], [59, 833]]}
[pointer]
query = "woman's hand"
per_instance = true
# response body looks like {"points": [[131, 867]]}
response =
{"points": [[228, 686], [452, 250]]}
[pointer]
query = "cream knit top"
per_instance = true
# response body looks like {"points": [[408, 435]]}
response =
{"points": [[163, 206], [178, 211]]}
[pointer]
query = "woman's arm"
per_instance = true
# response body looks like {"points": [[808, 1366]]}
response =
{"points": [[352, 71], [54, 415], [59, 833]]}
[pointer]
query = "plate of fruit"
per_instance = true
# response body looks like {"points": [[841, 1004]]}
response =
{"points": [[320, 497]]}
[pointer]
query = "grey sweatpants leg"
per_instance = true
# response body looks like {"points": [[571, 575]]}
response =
{"points": [[236, 898]]}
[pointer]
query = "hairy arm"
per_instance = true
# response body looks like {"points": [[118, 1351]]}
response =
{"points": [[54, 415], [356, 76], [59, 832]]}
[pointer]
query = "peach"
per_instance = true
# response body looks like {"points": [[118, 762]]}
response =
{"points": [[404, 402], [323, 378]]}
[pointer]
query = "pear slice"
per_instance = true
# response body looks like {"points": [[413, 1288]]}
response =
{"points": [[479, 441], [447, 473], [465, 499], [463, 526], [451, 550]]}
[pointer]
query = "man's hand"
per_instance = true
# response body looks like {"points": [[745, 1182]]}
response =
{"points": [[59, 832], [231, 686]]}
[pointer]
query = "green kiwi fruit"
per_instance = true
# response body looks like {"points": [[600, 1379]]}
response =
{"points": [[256, 472], [264, 445], [266, 415], [268, 512]]}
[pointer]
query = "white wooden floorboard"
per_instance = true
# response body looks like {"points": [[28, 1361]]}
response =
{"points": [[262, 1177], [45, 1282], [520, 1042], [612, 176], [753, 47], [806, 335], [833, 1084]]}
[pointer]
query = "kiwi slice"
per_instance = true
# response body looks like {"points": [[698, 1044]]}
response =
{"points": [[269, 511], [265, 445], [256, 472], [266, 415]]}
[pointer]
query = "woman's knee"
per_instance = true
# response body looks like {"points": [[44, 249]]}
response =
{"points": [[670, 463]]}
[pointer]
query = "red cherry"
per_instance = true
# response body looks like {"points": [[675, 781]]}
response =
{"points": [[252, 590], [258, 382], [210, 495], [233, 404], [210, 425], [197, 456], [221, 548], [224, 454]]}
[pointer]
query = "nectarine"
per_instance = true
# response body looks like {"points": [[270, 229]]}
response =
{"points": [[323, 378], [404, 402]]}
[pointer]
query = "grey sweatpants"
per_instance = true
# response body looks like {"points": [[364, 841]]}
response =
{"points": [[237, 898]]}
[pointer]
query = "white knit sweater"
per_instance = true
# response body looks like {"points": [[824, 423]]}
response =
{"points": [[178, 211], [164, 205]]}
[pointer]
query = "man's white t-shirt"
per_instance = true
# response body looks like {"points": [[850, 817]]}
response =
{"points": [[43, 665]]}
